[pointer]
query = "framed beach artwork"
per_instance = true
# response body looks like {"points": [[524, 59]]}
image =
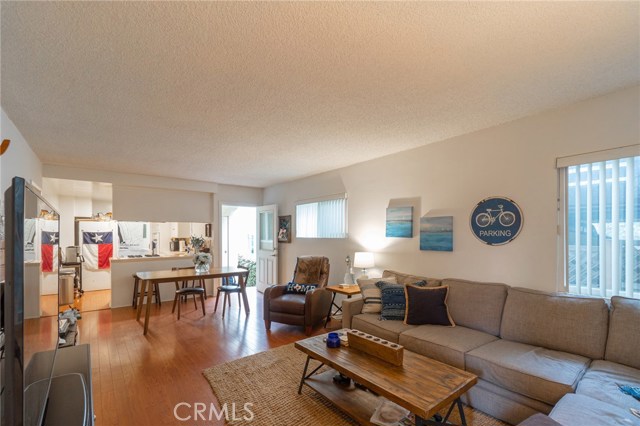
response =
{"points": [[436, 233], [399, 222]]}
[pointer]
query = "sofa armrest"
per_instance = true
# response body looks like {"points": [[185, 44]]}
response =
{"points": [[351, 307]]}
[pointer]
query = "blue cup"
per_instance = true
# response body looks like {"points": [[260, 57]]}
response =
{"points": [[333, 340]]}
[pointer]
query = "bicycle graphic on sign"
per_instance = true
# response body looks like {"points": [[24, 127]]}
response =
{"points": [[505, 218]]}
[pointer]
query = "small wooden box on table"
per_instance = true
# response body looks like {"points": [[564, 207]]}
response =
{"points": [[375, 346], [422, 385]]}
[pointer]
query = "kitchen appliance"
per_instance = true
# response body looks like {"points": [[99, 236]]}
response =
{"points": [[73, 258], [72, 254], [154, 243]]}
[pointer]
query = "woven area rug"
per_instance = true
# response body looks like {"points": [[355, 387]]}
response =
{"points": [[269, 380]]}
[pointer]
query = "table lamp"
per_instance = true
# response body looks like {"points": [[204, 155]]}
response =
{"points": [[364, 260]]}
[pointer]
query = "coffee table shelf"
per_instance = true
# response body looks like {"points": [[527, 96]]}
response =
{"points": [[357, 403], [422, 385]]}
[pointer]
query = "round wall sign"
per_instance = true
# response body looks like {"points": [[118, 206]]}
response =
{"points": [[496, 220]]}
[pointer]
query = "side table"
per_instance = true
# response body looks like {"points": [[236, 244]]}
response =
{"points": [[336, 289]]}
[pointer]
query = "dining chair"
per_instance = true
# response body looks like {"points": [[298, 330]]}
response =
{"points": [[184, 290], [230, 285], [188, 291], [191, 283]]}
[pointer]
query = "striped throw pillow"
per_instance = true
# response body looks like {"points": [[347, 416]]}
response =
{"points": [[372, 295]]}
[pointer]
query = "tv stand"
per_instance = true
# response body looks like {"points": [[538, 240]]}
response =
{"points": [[70, 396]]}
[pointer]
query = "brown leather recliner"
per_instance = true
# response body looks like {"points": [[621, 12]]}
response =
{"points": [[300, 309]]}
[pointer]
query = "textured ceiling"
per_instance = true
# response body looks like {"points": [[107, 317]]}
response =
{"points": [[258, 93]]}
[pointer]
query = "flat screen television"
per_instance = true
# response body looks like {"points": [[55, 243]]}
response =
{"points": [[30, 344]]}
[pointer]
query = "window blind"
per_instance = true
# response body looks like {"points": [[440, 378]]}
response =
{"points": [[322, 219], [602, 229]]}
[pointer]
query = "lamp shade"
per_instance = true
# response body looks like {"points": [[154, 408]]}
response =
{"points": [[363, 259]]}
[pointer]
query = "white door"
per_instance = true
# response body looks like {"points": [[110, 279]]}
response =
{"points": [[267, 253], [224, 238]]}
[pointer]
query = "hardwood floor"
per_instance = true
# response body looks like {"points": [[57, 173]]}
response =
{"points": [[138, 380], [90, 301]]}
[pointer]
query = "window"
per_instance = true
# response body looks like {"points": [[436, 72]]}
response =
{"points": [[602, 225], [326, 218]]}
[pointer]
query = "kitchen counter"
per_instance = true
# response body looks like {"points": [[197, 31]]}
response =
{"points": [[163, 256]]}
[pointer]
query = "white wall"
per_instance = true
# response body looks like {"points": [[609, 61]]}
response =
{"points": [[516, 160], [161, 205], [19, 159]]}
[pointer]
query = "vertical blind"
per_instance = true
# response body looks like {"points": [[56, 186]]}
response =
{"points": [[322, 219], [602, 228]]}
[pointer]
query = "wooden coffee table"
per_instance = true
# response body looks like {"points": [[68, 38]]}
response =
{"points": [[422, 385]]}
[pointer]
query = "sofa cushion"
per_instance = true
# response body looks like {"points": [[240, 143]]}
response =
{"points": [[532, 371], [445, 344], [427, 305], [600, 380], [623, 344], [476, 305], [581, 410], [288, 304], [577, 325], [371, 323], [372, 295], [405, 279]]}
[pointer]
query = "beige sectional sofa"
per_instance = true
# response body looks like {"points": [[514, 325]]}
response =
{"points": [[533, 352]]}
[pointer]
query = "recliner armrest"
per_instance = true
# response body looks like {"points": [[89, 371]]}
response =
{"points": [[351, 307], [271, 293], [274, 291], [317, 302]]}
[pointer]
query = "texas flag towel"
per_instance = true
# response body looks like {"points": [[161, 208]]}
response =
{"points": [[48, 246], [97, 248]]}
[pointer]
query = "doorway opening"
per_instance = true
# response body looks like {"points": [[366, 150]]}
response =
{"points": [[238, 239]]}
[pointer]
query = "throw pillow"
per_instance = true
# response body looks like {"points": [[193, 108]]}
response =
{"points": [[371, 294], [427, 305], [295, 288], [394, 302]]}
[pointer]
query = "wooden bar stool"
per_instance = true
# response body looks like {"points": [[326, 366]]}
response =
{"points": [[187, 291], [136, 292]]}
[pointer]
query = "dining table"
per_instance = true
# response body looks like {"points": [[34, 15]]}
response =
{"points": [[150, 278]]}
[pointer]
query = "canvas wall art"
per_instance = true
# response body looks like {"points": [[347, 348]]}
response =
{"points": [[400, 222], [436, 233], [284, 229]]}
